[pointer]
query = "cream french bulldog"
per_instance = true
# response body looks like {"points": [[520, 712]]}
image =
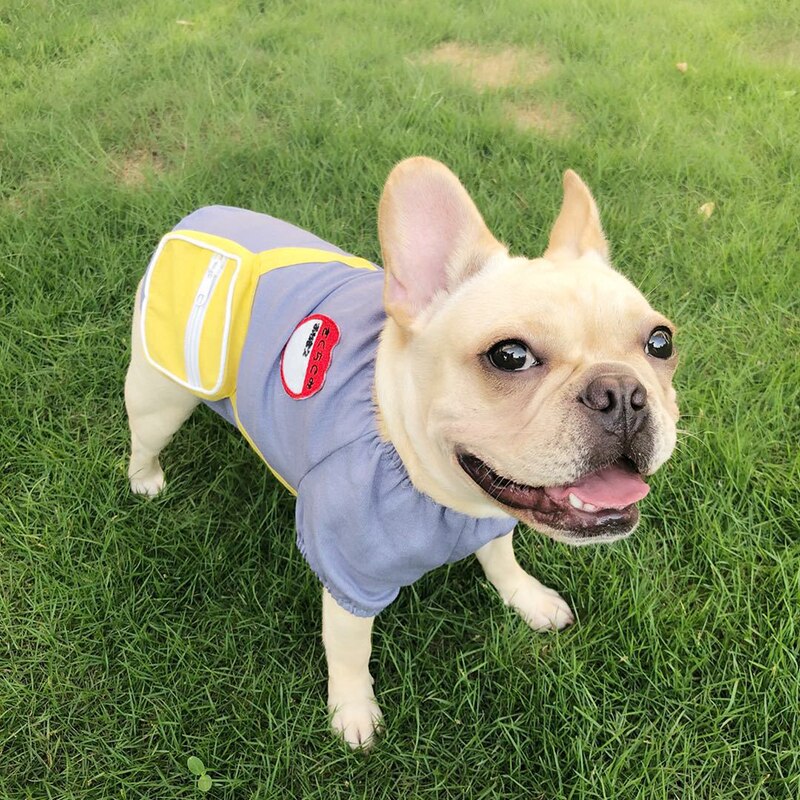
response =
{"points": [[417, 411]]}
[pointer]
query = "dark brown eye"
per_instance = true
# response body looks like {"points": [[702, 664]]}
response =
{"points": [[511, 356], [659, 345]]}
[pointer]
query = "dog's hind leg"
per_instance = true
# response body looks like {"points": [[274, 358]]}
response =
{"points": [[156, 408]]}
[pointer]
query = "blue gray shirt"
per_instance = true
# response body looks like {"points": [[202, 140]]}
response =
{"points": [[362, 526]]}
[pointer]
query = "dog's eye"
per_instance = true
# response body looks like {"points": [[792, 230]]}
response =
{"points": [[511, 356], [659, 345]]}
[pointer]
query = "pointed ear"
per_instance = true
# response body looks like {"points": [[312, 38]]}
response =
{"points": [[577, 228], [432, 236]]}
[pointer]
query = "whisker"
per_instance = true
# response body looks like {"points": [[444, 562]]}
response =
{"points": [[685, 432]]}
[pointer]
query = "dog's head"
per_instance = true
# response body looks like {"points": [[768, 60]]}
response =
{"points": [[539, 388]]}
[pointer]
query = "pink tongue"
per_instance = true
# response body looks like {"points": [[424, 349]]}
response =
{"points": [[613, 487]]}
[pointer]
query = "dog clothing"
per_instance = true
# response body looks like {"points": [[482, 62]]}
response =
{"points": [[276, 330]]}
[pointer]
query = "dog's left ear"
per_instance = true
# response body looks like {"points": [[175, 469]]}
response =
{"points": [[432, 236], [577, 228]]}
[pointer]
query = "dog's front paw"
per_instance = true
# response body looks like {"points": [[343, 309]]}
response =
{"points": [[148, 482], [358, 720], [540, 606]]}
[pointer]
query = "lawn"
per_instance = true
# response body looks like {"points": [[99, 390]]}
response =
{"points": [[135, 634]]}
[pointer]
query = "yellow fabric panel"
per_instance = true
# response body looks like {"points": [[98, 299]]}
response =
{"points": [[176, 285], [172, 288], [291, 256], [214, 370]]}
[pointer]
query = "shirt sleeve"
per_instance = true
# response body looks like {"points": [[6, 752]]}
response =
{"points": [[342, 504], [366, 531]]}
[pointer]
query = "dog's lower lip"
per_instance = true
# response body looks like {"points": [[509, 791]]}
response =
{"points": [[535, 505]]}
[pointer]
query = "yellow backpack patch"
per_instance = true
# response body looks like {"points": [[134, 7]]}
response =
{"points": [[196, 304], [192, 312]]}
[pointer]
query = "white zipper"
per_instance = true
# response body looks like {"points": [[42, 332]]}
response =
{"points": [[194, 327]]}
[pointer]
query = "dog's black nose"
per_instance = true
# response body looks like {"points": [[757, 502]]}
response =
{"points": [[617, 402]]}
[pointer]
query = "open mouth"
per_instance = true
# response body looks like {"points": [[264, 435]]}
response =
{"points": [[600, 504]]}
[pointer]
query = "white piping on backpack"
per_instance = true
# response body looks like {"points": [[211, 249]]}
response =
{"points": [[194, 327]]}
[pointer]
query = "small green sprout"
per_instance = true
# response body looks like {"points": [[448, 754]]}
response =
{"points": [[196, 767]]}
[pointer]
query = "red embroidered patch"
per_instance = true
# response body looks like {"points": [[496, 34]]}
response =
{"points": [[307, 356]]}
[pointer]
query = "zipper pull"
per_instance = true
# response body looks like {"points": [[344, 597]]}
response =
{"points": [[215, 267]]}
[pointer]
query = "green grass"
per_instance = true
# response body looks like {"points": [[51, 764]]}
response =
{"points": [[134, 634]]}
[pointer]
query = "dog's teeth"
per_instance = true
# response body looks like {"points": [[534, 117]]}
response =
{"points": [[576, 502]]}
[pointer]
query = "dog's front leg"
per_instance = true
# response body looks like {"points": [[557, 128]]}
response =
{"points": [[355, 714], [541, 607]]}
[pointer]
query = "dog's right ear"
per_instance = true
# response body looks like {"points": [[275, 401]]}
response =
{"points": [[432, 236], [577, 228]]}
